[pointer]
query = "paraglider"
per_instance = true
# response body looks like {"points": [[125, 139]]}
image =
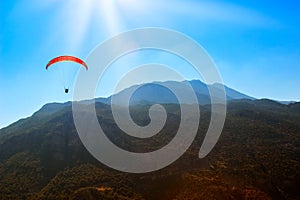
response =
{"points": [[66, 59]]}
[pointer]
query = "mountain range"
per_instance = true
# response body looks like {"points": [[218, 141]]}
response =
{"points": [[158, 92], [256, 157]]}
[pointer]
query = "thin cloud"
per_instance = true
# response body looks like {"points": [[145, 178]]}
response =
{"points": [[206, 11]]}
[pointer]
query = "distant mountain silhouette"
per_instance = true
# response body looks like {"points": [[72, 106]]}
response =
{"points": [[256, 157], [157, 92]]}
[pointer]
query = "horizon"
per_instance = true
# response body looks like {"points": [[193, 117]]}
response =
{"points": [[254, 45], [105, 97]]}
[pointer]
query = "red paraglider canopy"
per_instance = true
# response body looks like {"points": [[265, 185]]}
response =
{"points": [[66, 58]]}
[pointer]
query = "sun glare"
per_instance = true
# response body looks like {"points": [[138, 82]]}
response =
{"points": [[77, 19], [108, 11], [108, 17]]}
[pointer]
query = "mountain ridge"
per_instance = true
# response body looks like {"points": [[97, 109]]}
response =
{"points": [[255, 157], [197, 85]]}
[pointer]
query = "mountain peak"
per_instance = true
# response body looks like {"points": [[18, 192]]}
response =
{"points": [[158, 92]]}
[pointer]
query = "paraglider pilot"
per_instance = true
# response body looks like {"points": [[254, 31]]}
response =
{"points": [[66, 58]]}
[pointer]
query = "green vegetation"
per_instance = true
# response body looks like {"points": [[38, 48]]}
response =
{"points": [[257, 157]]}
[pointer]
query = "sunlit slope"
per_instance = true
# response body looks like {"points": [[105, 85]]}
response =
{"points": [[256, 156]]}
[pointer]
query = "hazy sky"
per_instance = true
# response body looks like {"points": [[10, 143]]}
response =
{"points": [[255, 44]]}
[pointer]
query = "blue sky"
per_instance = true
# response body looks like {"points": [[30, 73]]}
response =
{"points": [[255, 44]]}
